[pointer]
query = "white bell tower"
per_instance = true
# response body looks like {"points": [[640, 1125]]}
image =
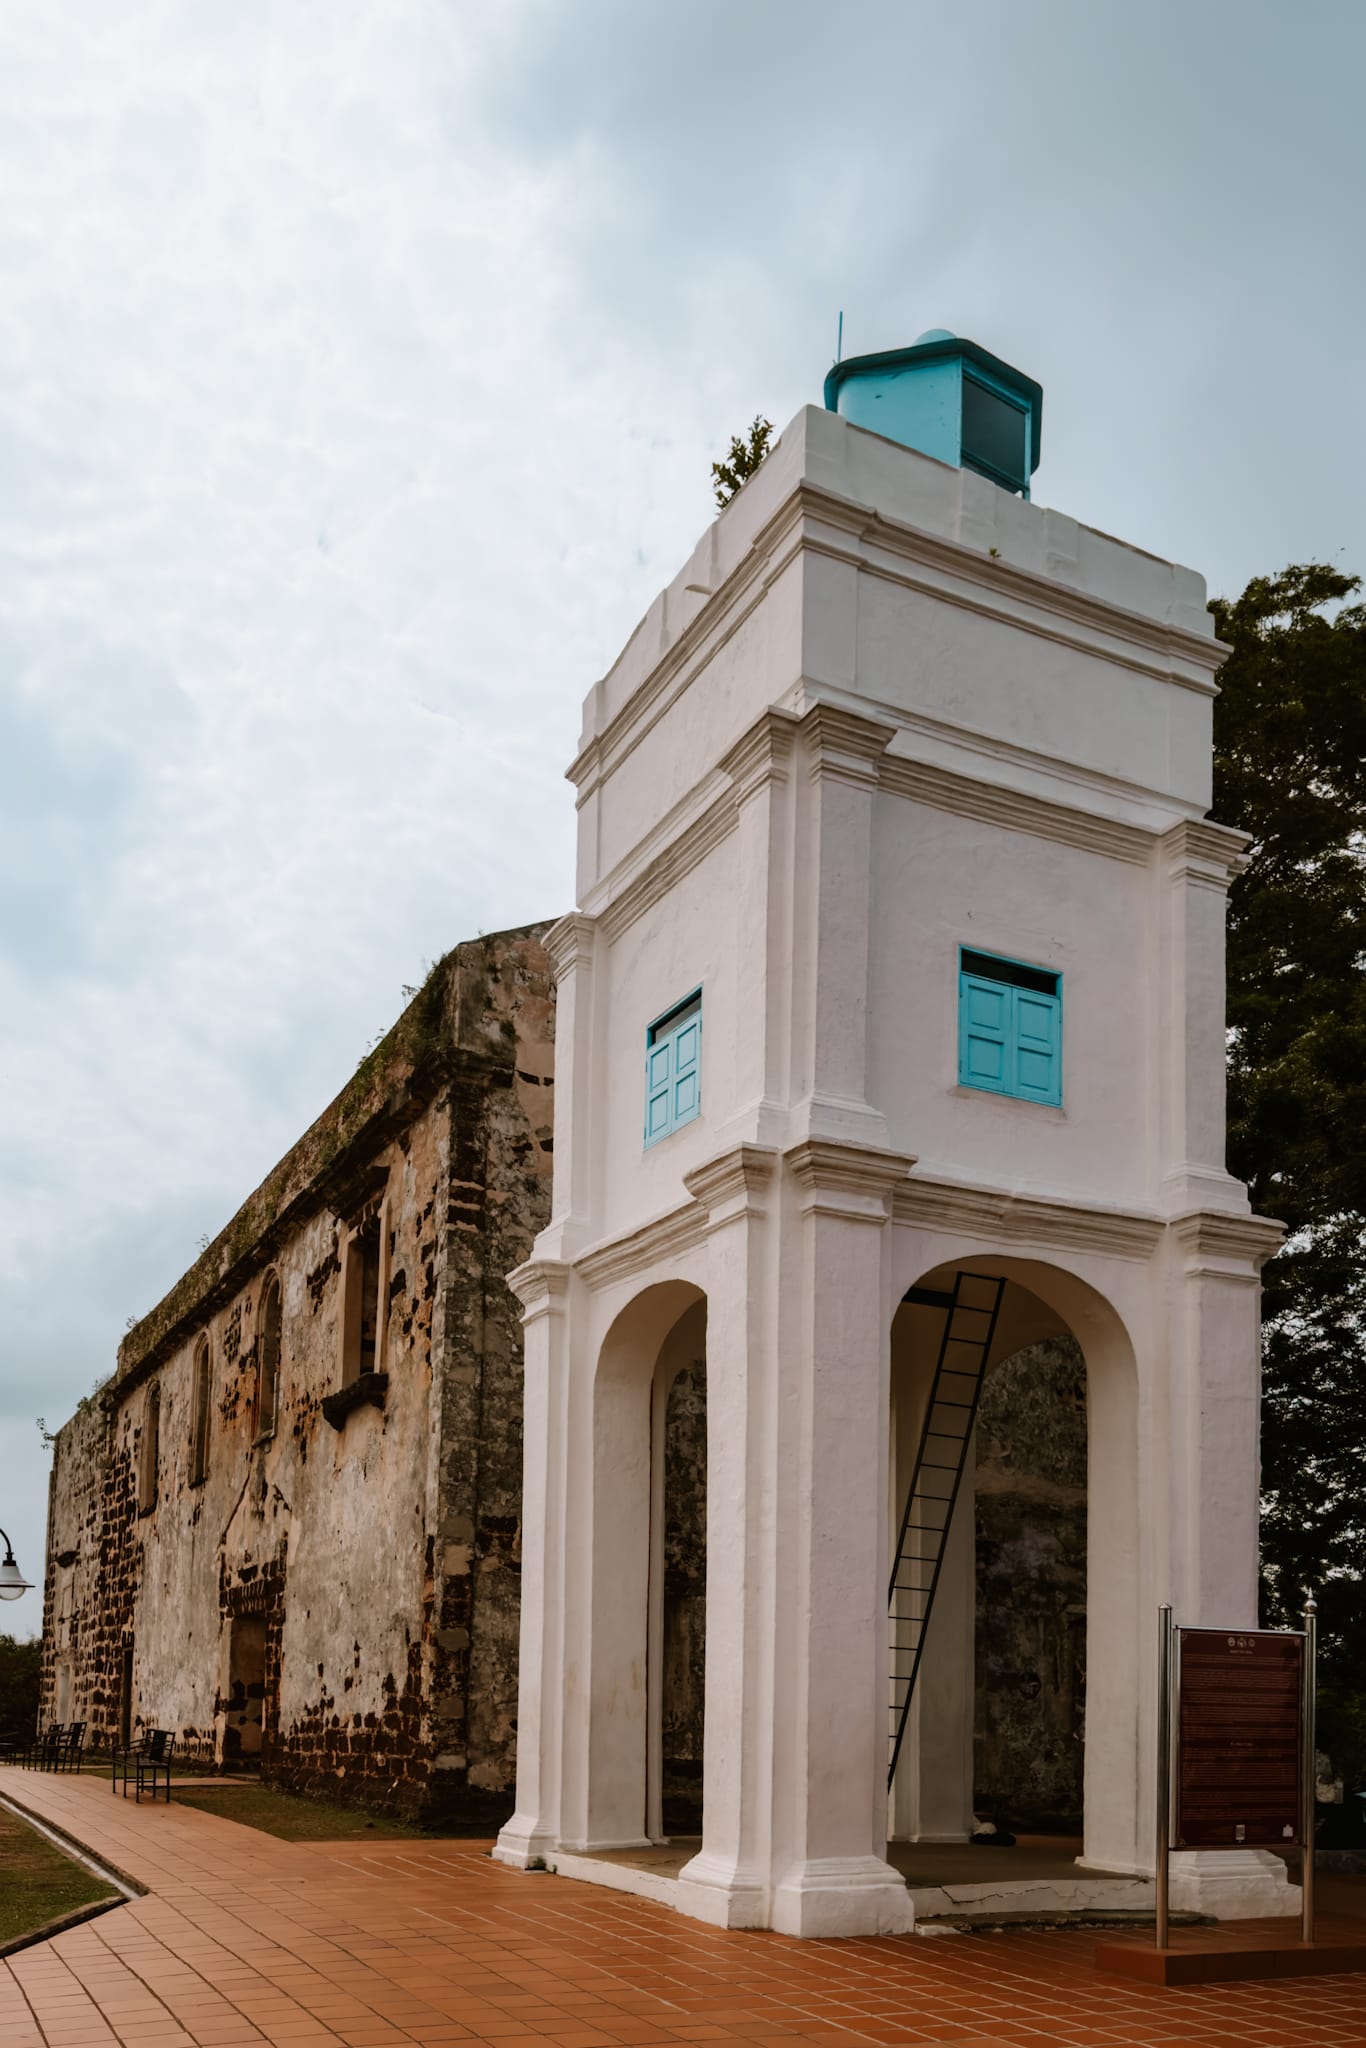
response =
{"points": [[898, 957]]}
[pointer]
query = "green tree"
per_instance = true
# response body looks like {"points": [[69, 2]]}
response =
{"points": [[1290, 769], [19, 1669], [743, 458]]}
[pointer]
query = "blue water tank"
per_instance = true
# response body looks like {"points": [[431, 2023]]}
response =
{"points": [[950, 399]]}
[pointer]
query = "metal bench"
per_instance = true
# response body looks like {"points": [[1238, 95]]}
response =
{"points": [[147, 1759], [70, 1751], [45, 1747]]}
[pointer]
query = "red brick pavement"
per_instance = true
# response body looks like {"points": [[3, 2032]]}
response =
{"points": [[243, 1939]]}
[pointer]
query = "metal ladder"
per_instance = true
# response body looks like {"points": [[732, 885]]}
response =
{"points": [[970, 1313]]}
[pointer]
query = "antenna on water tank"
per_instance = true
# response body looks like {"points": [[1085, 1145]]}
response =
{"points": [[839, 338]]}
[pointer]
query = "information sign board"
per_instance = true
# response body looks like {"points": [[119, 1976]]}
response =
{"points": [[1239, 1739]]}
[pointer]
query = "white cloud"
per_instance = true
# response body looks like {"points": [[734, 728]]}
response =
{"points": [[360, 369]]}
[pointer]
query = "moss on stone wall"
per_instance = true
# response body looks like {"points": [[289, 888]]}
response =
{"points": [[406, 1067]]}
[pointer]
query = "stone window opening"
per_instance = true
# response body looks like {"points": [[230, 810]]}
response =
{"points": [[268, 1359], [199, 1427], [150, 1450], [362, 1327]]}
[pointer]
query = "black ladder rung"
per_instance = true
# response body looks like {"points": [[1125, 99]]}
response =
{"points": [[929, 1297]]}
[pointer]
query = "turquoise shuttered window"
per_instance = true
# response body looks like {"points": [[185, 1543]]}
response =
{"points": [[1009, 1027], [673, 1069]]}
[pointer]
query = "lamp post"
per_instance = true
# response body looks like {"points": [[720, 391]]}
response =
{"points": [[12, 1581]]}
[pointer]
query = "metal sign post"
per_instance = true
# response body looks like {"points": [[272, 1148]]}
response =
{"points": [[1164, 1764], [1235, 1746], [1309, 1769]]}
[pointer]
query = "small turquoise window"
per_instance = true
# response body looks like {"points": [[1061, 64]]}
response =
{"points": [[673, 1069], [1009, 1027]]}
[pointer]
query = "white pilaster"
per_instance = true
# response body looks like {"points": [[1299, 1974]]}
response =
{"points": [[727, 1881], [542, 1286], [830, 1803], [842, 751], [572, 946]]}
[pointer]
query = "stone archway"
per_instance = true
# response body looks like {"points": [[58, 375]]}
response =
{"points": [[933, 1794], [655, 1338]]}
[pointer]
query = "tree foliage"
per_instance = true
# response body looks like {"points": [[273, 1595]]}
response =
{"points": [[19, 1670], [1290, 769], [743, 458]]}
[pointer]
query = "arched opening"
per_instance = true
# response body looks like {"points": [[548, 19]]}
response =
{"points": [[361, 1346], [268, 1358], [1037, 1557], [678, 1578], [150, 1450], [199, 1425], [244, 1709], [645, 1705]]}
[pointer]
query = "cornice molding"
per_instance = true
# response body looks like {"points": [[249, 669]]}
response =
{"points": [[720, 618], [1206, 1234], [758, 759], [1207, 854], [1014, 810], [1154, 646], [856, 1181], [670, 865], [570, 941], [762, 755], [1042, 1220], [662, 1239], [844, 745], [981, 584], [734, 1182], [541, 1285]]}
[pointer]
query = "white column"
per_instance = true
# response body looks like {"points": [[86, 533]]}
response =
{"points": [[1213, 1450], [727, 1881], [830, 1766], [542, 1285]]}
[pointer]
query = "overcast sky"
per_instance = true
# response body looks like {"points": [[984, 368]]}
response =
{"points": [[361, 367]]}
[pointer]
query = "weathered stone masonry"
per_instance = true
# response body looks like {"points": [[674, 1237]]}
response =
{"points": [[337, 1594]]}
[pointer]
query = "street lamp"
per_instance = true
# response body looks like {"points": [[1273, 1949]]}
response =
{"points": [[12, 1581]]}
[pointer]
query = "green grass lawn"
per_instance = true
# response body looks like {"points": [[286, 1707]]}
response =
{"points": [[285, 1814], [38, 1882]]}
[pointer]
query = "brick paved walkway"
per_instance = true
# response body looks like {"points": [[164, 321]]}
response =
{"points": [[243, 1939]]}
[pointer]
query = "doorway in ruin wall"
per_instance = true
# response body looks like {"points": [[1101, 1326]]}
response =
{"points": [[244, 1708], [126, 1697]]}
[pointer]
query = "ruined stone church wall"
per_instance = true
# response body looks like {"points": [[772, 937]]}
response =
{"points": [[78, 1672], [287, 1604], [500, 1182]]}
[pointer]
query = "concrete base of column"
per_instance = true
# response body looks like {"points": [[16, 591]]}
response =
{"points": [[521, 1844], [721, 1892], [1232, 1884], [834, 1895]]}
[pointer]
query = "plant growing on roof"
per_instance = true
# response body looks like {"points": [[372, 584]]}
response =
{"points": [[742, 459]]}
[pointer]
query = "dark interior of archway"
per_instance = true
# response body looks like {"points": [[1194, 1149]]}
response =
{"points": [[1031, 1590], [685, 1599]]}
